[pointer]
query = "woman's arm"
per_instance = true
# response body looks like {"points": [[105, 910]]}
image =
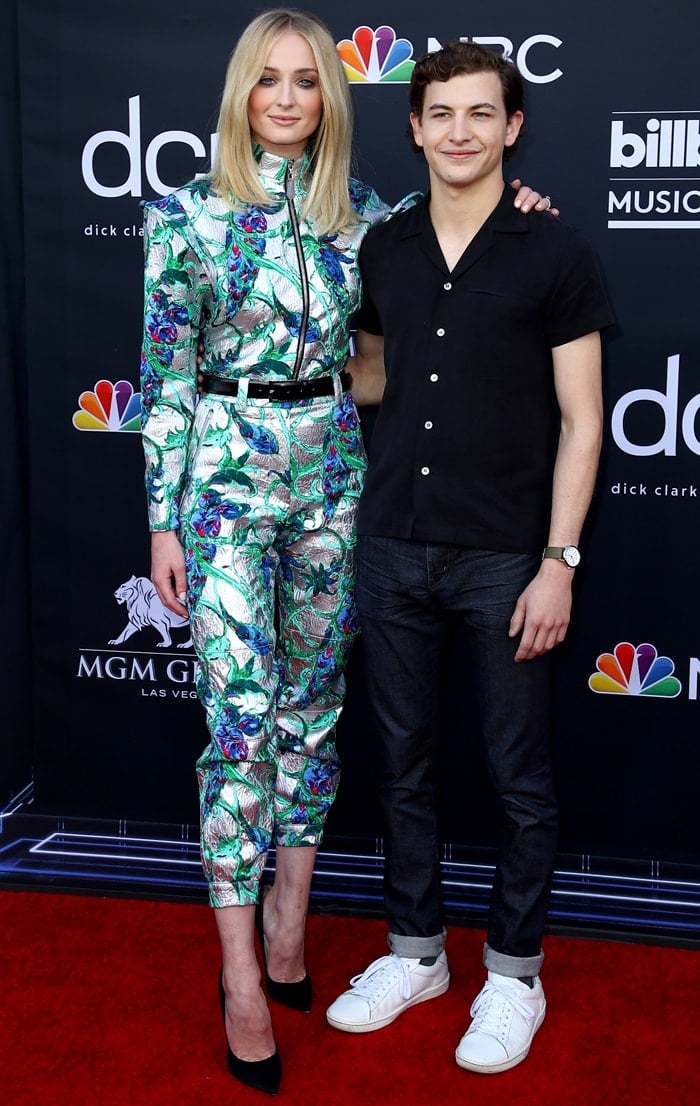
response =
{"points": [[172, 290]]}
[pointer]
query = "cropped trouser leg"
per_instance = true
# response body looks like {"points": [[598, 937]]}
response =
{"points": [[273, 619], [317, 626]]}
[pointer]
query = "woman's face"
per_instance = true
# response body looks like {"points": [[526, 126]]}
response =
{"points": [[285, 107]]}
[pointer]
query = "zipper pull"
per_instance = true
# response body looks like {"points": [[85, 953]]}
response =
{"points": [[289, 182]]}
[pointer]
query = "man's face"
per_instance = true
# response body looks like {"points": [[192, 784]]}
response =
{"points": [[463, 128]]}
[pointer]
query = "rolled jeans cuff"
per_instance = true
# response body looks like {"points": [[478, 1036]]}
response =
{"points": [[417, 947], [517, 967]]}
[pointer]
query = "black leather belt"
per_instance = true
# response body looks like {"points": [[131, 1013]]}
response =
{"points": [[284, 391]]}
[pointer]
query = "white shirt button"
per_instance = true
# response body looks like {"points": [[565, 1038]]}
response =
{"points": [[434, 377], [447, 286], [428, 425], [425, 470], [440, 332]]}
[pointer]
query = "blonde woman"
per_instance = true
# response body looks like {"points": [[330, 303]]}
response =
{"points": [[252, 490]]}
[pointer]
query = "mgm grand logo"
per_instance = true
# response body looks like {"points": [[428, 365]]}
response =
{"points": [[168, 671]]}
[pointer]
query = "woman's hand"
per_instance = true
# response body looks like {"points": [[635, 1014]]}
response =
{"points": [[529, 200], [168, 570]]}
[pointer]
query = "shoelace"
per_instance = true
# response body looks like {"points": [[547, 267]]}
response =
{"points": [[375, 980], [487, 1007]]}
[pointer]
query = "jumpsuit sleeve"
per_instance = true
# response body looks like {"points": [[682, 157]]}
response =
{"points": [[175, 288]]}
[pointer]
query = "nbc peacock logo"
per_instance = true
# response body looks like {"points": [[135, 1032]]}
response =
{"points": [[114, 407], [376, 57], [635, 670]]}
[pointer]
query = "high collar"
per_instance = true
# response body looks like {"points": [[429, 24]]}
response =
{"points": [[274, 170]]}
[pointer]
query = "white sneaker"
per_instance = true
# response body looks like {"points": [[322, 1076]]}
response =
{"points": [[507, 1014], [388, 987]]}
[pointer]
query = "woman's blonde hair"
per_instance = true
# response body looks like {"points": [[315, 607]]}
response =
{"points": [[234, 172]]}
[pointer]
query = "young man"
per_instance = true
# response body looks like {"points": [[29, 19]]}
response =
{"points": [[487, 321]]}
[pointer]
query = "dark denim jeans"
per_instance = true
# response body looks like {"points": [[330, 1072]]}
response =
{"points": [[409, 595]]}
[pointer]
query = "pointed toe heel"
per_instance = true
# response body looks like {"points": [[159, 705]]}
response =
{"points": [[262, 1075]]}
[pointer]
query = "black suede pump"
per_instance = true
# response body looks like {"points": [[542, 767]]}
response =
{"points": [[297, 996], [261, 1075]]}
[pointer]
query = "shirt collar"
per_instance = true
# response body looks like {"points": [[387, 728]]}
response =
{"points": [[505, 217]]}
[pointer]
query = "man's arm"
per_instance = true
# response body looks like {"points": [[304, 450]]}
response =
{"points": [[543, 610], [367, 369]]}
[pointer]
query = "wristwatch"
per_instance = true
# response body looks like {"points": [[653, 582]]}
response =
{"points": [[569, 554]]}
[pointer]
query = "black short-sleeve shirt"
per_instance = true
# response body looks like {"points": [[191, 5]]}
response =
{"points": [[462, 447]]}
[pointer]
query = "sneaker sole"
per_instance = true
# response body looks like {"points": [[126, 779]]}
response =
{"points": [[369, 1027], [505, 1065]]}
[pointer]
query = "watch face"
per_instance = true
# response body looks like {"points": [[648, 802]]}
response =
{"points": [[571, 556]]}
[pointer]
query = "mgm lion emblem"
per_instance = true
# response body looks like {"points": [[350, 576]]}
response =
{"points": [[144, 608]]}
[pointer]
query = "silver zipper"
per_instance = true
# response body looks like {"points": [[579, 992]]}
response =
{"points": [[289, 191]]}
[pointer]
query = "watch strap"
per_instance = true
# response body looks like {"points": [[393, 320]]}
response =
{"points": [[567, 554]]}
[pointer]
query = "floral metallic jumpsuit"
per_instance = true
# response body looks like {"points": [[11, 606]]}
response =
{"points": [[263, 494]]}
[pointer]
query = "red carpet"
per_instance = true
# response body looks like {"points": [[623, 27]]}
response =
{"points": [[112, 1002]]}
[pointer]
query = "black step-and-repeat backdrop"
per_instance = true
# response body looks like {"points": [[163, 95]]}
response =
{"points": [[15, 693], [118, 103]]}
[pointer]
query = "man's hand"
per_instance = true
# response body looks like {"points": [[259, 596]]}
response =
{"points": [[168, 570], [543, 611], [529, 200]]}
